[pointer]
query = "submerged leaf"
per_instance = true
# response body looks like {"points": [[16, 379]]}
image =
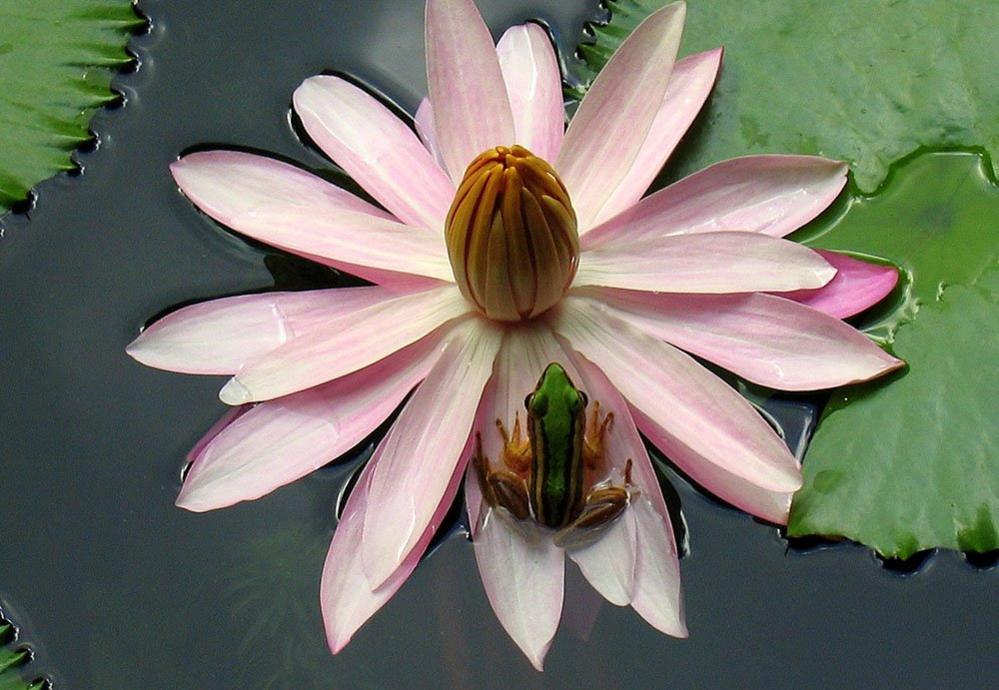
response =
{"points": [[56, 62], [912, 462], [861, 81]]}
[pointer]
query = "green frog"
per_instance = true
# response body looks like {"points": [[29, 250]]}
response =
{"points": [[544, 476]]}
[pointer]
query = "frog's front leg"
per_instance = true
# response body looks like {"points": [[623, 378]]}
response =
{"points": [[502, 488], [516, 446]]}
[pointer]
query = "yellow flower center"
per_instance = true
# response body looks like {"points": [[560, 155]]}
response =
{"points": [[511, 235]]}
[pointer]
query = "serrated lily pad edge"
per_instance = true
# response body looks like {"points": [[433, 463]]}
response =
{"points": [[116, 100]]}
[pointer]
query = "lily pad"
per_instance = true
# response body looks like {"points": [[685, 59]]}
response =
{"points": [[57, 58], [12, 661], [861, 81], [912, 462]]}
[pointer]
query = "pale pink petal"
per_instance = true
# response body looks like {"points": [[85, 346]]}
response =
{"points": [[654, 588], [763, 338], [520, 566], [858, 285], [471, 108], [343, 345], [376, 149], [608, 561], [423, 452], [613, 120], [279, 441], [694, 405], [351, 241], [230, 186], [690, 84], [226, 184], [657, 596], [772, 194], [522, 572], [767, 504], [230, 415], [534, 84], [426, 129], [709, 263], [219, 336], [346, 598]]}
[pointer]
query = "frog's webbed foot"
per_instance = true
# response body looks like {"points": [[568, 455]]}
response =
{"points": [[604, 504], [596, 432], [516, 446]]}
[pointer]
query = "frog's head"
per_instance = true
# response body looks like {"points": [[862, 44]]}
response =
{"points": [[555, 385]]}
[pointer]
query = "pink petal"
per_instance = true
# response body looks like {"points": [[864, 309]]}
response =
{"points": [[226, 184], [230, 415], [375, 148], [219, 336], [343, 345], [351, 241], [767, 504], [772, 195], [858, 285], [347, 599], [423, 452], [522, 576], [279, 441], [426, 129], [471, 108], [608, 562], [534, 84], [709, 263], [521, 568], [615, 117], [690, 84], [657, 596], [654, 585], [766, 339], [692, 404]]}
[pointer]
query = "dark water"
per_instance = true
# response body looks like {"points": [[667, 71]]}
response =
{"points": [[113, 587]]}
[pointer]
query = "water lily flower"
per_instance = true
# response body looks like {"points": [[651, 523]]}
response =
{"points": [[502, 242]]}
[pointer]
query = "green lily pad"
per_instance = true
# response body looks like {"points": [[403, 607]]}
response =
{"points": [[12, 662], [57, 58], [912, 462], [864, 81]]}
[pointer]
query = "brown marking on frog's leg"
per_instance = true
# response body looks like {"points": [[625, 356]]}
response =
{"points": [[510, 492], [516, 446], [602, 507], [482, 471], [593, 439], [500, 488]]}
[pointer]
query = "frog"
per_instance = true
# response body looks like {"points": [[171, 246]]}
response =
{"points": [[544, 473]]}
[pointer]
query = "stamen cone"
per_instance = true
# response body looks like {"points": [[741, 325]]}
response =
{"points": [[511, 235]]}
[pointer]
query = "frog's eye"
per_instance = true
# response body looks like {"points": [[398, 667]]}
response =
{"points": [[537, 404], [576, 399]]}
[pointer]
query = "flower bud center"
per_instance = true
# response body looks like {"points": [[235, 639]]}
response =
{"points": [[511, 235]]}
